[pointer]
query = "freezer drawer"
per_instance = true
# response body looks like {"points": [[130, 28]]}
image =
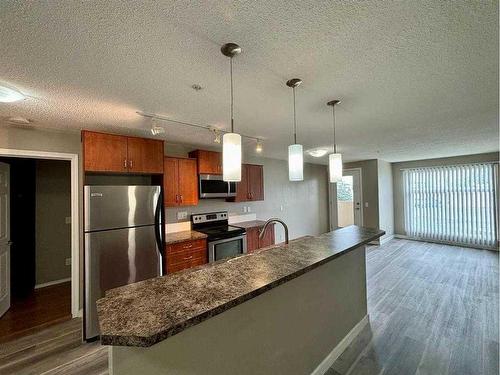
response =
{"points": [[109, 207], [114, 258]]}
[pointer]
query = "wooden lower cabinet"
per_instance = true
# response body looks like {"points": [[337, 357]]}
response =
{"points": [[187, 254], [255, 243]]}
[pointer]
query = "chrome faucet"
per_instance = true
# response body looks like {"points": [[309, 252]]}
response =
{"points": [[274, 220]]}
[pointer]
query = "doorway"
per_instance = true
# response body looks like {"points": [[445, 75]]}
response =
{"points": [[39, 221], [37, 211], [346, 203]]}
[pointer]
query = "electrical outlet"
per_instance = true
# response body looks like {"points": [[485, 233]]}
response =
{"points": [[249, 209], [182, 215], [281, 207], [67, 220], [67, 262], [244, 209]]}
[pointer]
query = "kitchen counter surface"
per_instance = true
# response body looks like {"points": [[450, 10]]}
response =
{"points": [[187, 235], [150, 311], [250, 224]]}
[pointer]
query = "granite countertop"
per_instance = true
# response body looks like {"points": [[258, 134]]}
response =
{"points": [[147, 312], [186, 235], [249, 224]]}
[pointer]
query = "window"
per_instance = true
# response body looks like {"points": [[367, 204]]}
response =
{"points": [[452, 203]]}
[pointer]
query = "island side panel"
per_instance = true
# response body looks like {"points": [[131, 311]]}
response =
{"points": [[287, 330]]}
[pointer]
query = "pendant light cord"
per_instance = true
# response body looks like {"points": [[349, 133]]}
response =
{"points": [[232, 99], [334, 143], [294, 119]]}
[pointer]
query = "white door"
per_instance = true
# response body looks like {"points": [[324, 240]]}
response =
{"points": [[347, 203], [4, 239]]}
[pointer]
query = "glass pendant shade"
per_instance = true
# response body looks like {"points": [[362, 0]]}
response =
{"points": [[335, 167], [231, 157], [295, 163]]}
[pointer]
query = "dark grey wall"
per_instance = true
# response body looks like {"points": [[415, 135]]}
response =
{"points": [[53, 205]]}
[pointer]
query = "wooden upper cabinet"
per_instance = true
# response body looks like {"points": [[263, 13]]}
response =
{"points": [[188, 182], [251, 186], [145, 155], [209, 162], [255, 182], [104, 152], [115, 153], [180, 182], [242, 194], [170, 181]]}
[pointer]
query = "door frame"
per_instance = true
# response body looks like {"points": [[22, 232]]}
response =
{"points": [[75, 214], [332, 191]]}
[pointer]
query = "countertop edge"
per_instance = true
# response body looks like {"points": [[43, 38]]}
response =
{"points": [[140, 341]]}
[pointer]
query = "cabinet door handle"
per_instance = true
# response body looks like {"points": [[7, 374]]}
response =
{"points": [[180, 197], [130, 163], [187, 258], [125, 163], [187, 246], [176, 198]]}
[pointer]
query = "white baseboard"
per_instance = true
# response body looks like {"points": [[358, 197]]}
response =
{"points": [[339, 349], [50, 283], [79, 314], [386, 239]]}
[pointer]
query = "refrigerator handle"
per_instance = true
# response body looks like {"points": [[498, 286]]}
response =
{"points": [[159, 214]]}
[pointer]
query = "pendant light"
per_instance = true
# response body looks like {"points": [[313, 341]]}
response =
{"points": [[295, 151], [231, 142], [335, 159]]}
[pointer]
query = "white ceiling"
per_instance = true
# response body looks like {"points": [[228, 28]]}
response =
{"points": [[417, 79]]}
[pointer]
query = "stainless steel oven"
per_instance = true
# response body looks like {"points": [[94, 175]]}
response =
{"points": [[212, 186], [224, 240], [227, 247]]}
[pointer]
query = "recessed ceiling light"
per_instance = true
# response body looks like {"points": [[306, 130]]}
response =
{"points": [[19, 120], [10, 94], [318, 152]]}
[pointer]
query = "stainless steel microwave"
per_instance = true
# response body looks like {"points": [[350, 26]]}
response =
{"points": [[212, 186]]}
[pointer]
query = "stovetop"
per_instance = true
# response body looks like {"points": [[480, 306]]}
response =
{"points": [[221, 231], [215, 225]]}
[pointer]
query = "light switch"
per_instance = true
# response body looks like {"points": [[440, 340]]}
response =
{"points": [[67, 220], [366, 204], [244, 209]]}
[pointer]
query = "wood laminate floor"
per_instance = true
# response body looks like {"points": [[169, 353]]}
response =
{"points": [[45, 306], [433, 310]]}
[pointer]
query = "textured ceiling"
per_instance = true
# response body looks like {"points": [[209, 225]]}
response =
{"points": [[417, 79]]}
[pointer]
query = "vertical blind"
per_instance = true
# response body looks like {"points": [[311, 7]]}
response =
{"points": [[452, 203]]}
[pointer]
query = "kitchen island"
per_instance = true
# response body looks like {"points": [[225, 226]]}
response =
{"points": [[287, 309]]}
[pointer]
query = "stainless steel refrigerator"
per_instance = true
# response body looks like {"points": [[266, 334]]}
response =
{"points": [[123, 241]]}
